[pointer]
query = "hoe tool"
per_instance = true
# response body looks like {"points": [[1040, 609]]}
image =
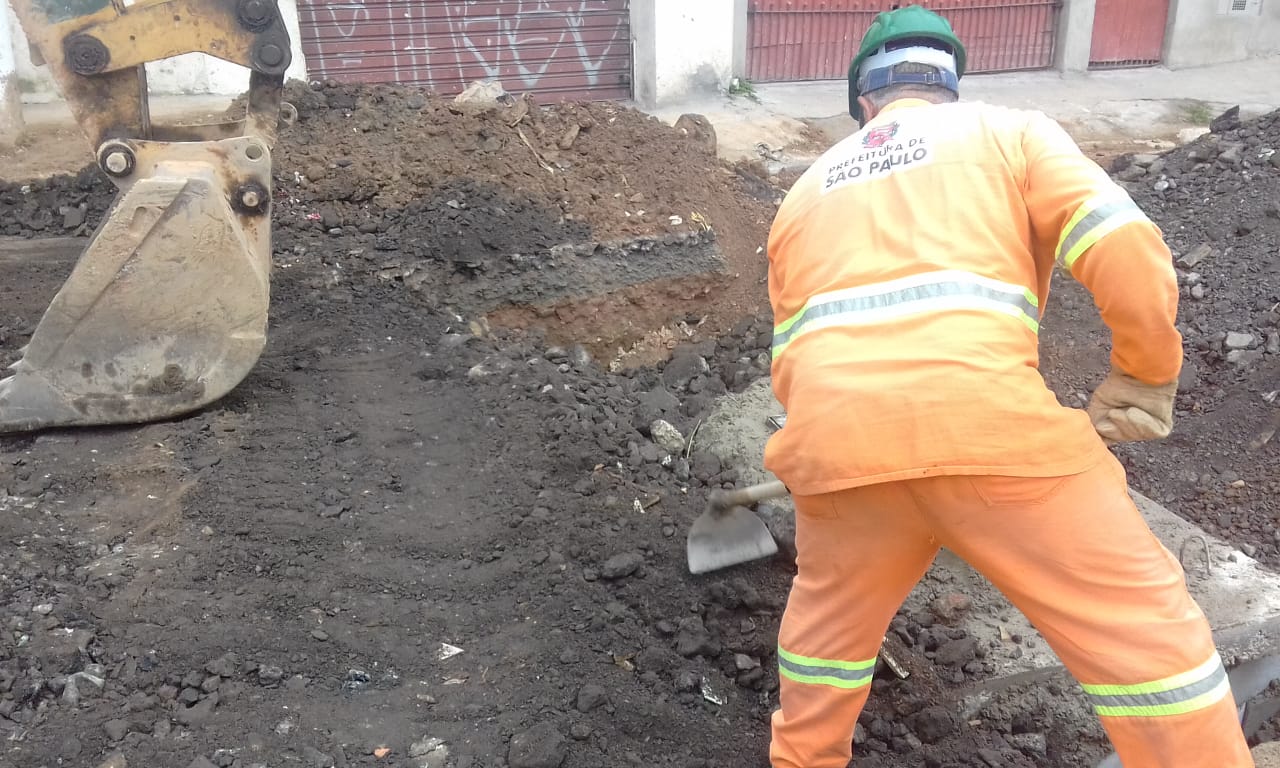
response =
{"points": [[166, 309], [727, 533]]}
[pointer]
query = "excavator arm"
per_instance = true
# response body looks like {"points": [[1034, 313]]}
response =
{"points": [[166, 309]]}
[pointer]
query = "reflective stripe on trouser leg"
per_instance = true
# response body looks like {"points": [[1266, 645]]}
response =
{"points": [[837, 674], [859, 553], [1199, 688], [1076, 556]]}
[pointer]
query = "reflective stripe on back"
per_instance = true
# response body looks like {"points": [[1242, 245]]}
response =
{"points": [[927, 292]]}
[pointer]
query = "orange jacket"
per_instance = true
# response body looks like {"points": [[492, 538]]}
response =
{"points": [[908, 272]]}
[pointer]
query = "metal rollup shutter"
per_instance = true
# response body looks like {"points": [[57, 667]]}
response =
{"points": [[559, 48], [790, 40]]}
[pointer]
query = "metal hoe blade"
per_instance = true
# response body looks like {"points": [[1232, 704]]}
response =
{"points": [[722, 539]]}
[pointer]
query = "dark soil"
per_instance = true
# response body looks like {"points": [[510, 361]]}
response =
{"points": [[59, 205], [1217, 200], [479, 203], [435, 453]]}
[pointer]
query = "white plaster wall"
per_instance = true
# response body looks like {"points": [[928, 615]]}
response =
{"points": [[11, 122], [192, 73], [1199, 35], [693, 47]]}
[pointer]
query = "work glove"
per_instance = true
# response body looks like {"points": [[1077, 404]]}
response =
{"points": [[1124, 409]]}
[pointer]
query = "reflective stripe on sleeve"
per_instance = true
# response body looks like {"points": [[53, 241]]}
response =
{"points": [[1092, 222], [837, 674], [927, 292], [1202, 687]]}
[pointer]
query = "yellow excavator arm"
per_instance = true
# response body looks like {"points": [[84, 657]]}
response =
{"points": [[166, 309]]}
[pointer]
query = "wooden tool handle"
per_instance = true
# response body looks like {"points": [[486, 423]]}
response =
{"points": [[721, 500]]}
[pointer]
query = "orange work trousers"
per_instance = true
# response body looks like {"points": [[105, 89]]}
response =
{"points": [[1072, 553]]}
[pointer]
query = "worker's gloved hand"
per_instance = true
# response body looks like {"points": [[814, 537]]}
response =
{"points": [[1124, 409]]}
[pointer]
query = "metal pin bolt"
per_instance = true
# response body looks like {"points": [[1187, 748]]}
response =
{"points": [[250, 198], [86, 55], [117, 162], [271, 55], [255, 10]]}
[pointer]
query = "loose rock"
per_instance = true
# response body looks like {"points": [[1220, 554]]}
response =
{"points": [[542, 746], [198, 713], [116, 729], [667, 436], [621, 565], [693, 639], [1237, 340], [957, 653], [429, 753], [1195, 256], [590, 697], [1032, 744], [951, 606], [932, 724], [314, 758]]}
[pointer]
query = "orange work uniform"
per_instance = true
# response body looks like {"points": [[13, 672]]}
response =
{"points": [[909, 270]]}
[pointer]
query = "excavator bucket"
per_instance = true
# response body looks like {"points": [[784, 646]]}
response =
{"points": [[166, 310]]}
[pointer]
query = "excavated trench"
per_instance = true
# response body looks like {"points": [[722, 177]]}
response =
{"points": [[633, 322]]}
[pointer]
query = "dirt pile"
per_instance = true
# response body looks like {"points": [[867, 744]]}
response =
{"points": [[510, 204], [412, 539], [463, 550], [363, 150], [420, 535], [59, 205], [577, 218], [1217, 200]]}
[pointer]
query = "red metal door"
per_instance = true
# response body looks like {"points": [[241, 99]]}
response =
{"points": [[565, 48], [1128, 32], [816, 39]]}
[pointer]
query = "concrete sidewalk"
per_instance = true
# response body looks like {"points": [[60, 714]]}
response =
{"points": [[166, 107], [1116, 105]]}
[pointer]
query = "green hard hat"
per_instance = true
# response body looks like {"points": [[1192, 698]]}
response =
{"points": [[911, 22]]}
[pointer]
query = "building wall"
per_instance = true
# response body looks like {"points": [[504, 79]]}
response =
{"points": [[694, 47], [11, 124], [1199, 34], [683, 49], [1075, 36], [192, 73]]}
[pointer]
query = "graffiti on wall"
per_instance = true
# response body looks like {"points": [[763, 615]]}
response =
{"points": [[530, 44]]}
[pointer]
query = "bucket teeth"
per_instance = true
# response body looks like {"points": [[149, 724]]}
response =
{"points": [[27, 402]]}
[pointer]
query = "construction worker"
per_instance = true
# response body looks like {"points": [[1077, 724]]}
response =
{"points": [[909, 271]]}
